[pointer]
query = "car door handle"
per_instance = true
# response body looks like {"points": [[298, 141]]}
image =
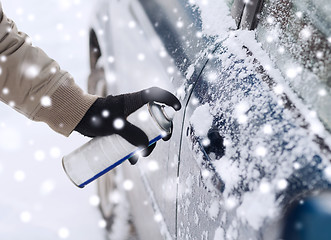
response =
{"points": [[214, 143]]}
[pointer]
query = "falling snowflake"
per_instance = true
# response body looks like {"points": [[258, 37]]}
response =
{"points": [[63, 233], [281, 50], [322, 92], [118, 123], [158, 217], [55, 152], [94, 200], [143, 116], [25, 216], [180, 24], [5, 91], [265, 187], [102, 223], [110, 59], [105, 18], [105, 113], [163, 53], [261, 151], [267, 129], [278, 89], [153, 166], [31, 71], [282, 184], [39, 155], [46, 101], [3, 58], [212, 76], [305, 33], [206, 142], [132, 24], [141, 57], [128, 185], [47, 187], [19, 175]]}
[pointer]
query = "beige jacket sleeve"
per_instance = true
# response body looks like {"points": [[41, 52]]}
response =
{"points": [[34, 85]]}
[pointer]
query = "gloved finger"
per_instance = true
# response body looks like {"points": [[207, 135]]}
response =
{"points": [[133, 135], [167, 137], [134, 159], [162, 96], [147, 151], [134, 101]]}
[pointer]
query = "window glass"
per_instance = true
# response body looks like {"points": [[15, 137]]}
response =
{"points": [[319, 11], [295, 33]]}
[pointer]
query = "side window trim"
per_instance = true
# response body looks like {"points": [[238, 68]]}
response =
{"points": [[246, 13]]}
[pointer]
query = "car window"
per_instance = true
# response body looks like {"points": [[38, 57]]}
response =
{"points": [[178, 23], [296, 34]]}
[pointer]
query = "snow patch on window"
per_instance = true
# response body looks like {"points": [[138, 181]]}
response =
{"points": [[201, 120], [216, 20]]}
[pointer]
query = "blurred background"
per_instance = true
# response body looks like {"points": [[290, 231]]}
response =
{"points": [[37, 200]]}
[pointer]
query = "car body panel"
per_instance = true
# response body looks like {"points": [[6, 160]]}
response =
{"points": [[270, 157]]}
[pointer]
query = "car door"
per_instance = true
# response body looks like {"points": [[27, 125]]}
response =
{"points": [[252, 153], [152, 45]]}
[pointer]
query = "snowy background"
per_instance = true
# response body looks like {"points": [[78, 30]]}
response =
{"points": [[38, 201]]}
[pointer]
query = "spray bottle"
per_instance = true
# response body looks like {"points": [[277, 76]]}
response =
{"points": [[102, 154]]}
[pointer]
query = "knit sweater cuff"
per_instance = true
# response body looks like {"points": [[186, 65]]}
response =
{"points": [[65, 107]]}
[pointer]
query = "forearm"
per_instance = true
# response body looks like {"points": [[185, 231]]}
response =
{"points": [[33, 84]]}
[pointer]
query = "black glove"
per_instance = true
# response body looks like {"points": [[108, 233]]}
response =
{"points": [[108, 115]]}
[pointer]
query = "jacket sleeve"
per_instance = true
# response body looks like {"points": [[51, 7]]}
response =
{"points": [[34, 85]]}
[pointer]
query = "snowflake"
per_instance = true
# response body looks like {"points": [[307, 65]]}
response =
{"points": [[170, 70], [110, 59], [31, 17], [180, 24], [5, 91], [59, 26], [278, 89], [63, 233], [39, 155], [319, 54], [261, 151], [158, 217], [282, 184], [212, 76], [118, 123], [47, 187], [305, 33], [265, 187], [3, 58], [46, 101], [128, 185], [19, 175], [281, 50], [102, 223], [94, 200], [31, 71], [267, 129], [153, 166], [143, 116], [322, 92], [25, 216], [105, 113], [163, 53], [141, 57], [132, 24]]}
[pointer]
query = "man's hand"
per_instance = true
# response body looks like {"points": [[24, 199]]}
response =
{"points": [[108, 116]]}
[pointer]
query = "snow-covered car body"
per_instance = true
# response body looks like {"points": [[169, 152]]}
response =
{"points": [[251, 139]]}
